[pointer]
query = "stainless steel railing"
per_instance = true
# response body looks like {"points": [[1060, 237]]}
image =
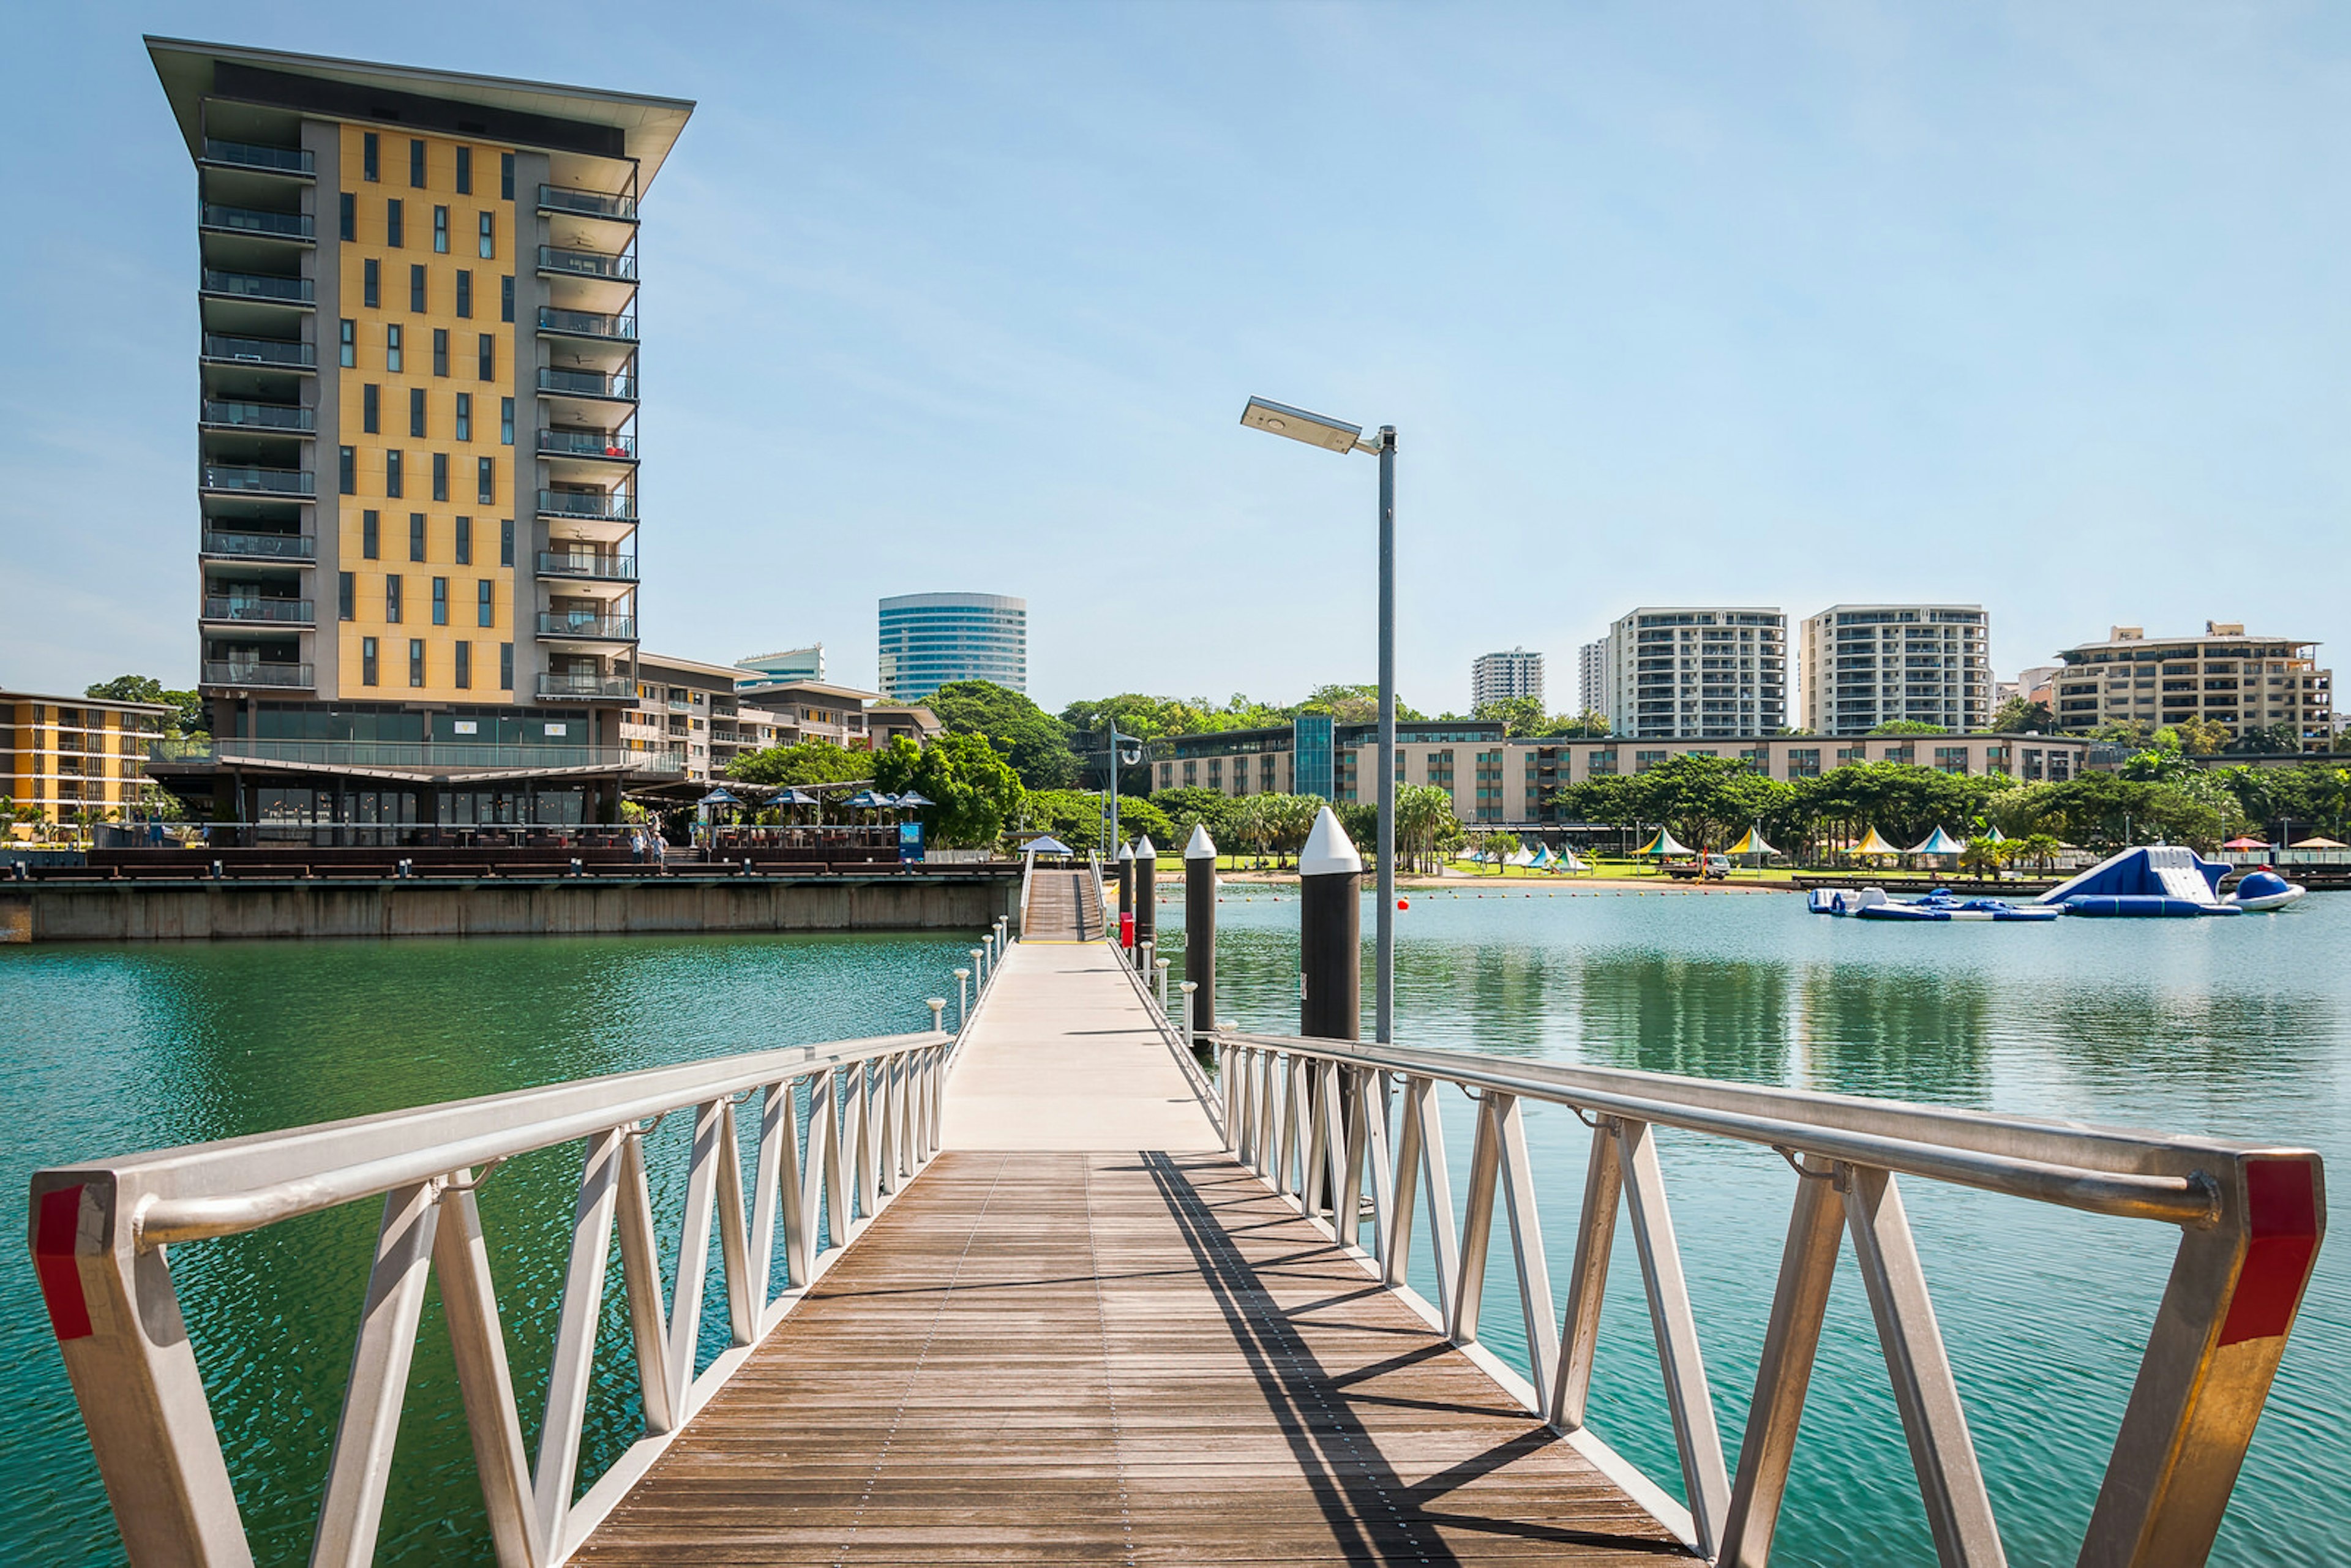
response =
{"points": [[100, 1234], [1331, 1124]]}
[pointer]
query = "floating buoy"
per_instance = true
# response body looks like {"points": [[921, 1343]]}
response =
{"points": [[1404, 904]]}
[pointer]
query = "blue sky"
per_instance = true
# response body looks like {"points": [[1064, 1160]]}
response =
{"points": [[2040, 306]]}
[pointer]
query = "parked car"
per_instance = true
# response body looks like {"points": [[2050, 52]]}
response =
{"points": [[1706, 868]]}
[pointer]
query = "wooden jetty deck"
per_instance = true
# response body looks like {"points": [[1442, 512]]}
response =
{"points": [[1119, 1356]]}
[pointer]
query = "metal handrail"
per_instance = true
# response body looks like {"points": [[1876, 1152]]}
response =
{"points": [[1327, 1122], [99, 1231]]}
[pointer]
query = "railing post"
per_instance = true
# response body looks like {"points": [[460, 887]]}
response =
{"points": [[352, 1507], [1705, 1481], [938, 1005], [572, 1367], [979, 969], [478, 1347], [1783, 1373], [1159, 967], [963, 1000]]}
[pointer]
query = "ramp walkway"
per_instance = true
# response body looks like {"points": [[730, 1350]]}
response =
{"points": [[1062, 906]]}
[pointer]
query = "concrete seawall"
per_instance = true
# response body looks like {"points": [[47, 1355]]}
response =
{"points": [[150, 910]]}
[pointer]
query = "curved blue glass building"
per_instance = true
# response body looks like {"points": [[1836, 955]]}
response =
{"points": [[930, 639]]}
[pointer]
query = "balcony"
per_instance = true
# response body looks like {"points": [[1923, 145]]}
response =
{"points": [[582, 626], [409, 754], [289, 482], [588, 384], [588, 324], [602, 443], [259, 287], [248, 155], [253, 221], [259, 351], [237, 673], [290, 419], [592, 264], [588, 689], [587, 204], [588, 564], [280, 611], [259, 547], [603, 505]]}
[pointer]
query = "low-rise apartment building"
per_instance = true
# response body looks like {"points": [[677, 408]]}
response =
{"points": [[64, 755], [704, 716], [1861, 665], [2239, 682]]}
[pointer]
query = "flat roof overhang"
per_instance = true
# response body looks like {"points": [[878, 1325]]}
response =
{"points": [[435, 776]]}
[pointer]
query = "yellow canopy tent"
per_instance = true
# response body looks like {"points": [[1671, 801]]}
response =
{"points": [[1663, 844], [1873, 845], [1752, 844]]}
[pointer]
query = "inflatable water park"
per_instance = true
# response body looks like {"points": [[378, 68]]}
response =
{"points": [[2147, 881]]}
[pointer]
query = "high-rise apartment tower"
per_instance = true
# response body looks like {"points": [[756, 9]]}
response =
{"points": [[2274, 685], [1591, 677], [418, 472], [930, 639], [1698, 672], [1861, 665], [1500, 677]]}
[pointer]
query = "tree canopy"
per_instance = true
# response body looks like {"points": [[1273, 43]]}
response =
{"points": [[974, 792], [1035, 742], [188, 720], [810, 762]]}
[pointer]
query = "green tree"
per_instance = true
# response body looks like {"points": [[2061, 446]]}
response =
{"points": [[1074, 816], [1517, 715], [2021, 716], [1353, 704], [189, 718], [2040, 849], [1910, 727], [1983, 855], [1194, 806], [973, 790], [2271, 740], [1499, 847], [1035, 742], [810, 762], [1138, 817]]}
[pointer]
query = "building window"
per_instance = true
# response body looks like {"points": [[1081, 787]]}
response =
{"points": [[505, 421], [505, 176], [369, 531], [370, 283], [486, 357], [506, 666], [486, 475], [464, 416], [347, 470], [416, 289], [346, 339], [440, 351], [416, 412], [392, 225], [416, 536], [392, 485], [465, 171], [346, 596], [506, 541], [486, 612], [440, 601], [366, 661], [391, 597], [489, 236], [440, 231], [464, 294], [391, 355], [347, 212], [370, 409], [416, 163], [439, 475], [506, 298], [416, 660], [464, 552], [367, 163], [465, 666]]}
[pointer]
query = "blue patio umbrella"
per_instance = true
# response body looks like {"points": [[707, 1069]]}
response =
{"points": [[867, 801], [1048, 845], [720, 798], [910, 800]]}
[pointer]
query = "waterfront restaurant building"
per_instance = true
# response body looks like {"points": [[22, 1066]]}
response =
{"points": [[2226, 677], [1861, 665], [417, 473], [61, 756], [930, 639], [1514, 782]]}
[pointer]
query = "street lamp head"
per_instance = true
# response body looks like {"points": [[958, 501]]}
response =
{"points": [[1281, 419]]}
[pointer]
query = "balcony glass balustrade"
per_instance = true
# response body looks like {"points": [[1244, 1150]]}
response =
{"points": [[587, 563], [238, 607], [587, 324], [617, 688], [258, 351], [276, 416], [588, 444], [251, 155], [260, 547], [606, 505], [251, 220], [258, 286], [259, 481], [593, 203], [587, 264], [241, 673], [588, 384], [583, 624]]}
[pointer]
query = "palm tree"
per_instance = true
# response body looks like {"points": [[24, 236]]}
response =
{"points": [[1502, 846], [1983, 855]]}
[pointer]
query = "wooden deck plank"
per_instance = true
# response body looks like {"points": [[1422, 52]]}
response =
{"points": [[1092, 1357]]}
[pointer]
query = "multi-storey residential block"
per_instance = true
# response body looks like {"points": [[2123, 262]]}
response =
{"points": [[1861, 665], [1700, 672], [1500, 677], [930, 639], [1591, 677], [791, 664], [2225, 677], [702, 716], [418, 473], [68, 756]]}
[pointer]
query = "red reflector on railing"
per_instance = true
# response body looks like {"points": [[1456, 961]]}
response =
{"points": [[54, 1259], [2281, 1214]]}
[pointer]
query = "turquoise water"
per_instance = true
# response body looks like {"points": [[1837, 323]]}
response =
{"points": [[2239, 1027], [111, 1050]]}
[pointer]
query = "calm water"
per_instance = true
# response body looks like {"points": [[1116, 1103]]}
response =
{"points": [[113, 1050], [2238, 1027]]}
